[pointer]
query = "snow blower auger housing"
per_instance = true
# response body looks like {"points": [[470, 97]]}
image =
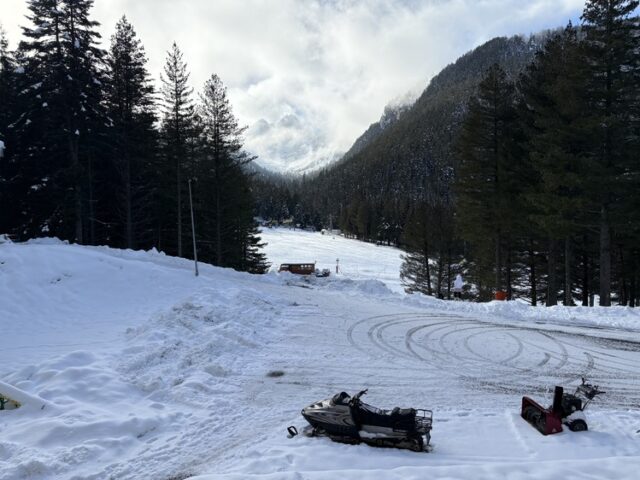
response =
{"points": [[347, 419], [567, 409]]}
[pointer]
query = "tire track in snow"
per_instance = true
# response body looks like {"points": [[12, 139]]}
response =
{"points": [[462, 354]]}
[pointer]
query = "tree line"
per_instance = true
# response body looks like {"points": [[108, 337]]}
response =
{"points": [[95, 155]]}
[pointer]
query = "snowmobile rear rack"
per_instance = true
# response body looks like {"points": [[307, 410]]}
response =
{"points": [[424, 420]]}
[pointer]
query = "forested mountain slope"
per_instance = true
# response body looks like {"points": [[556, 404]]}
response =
{"points": [[411, 158]]}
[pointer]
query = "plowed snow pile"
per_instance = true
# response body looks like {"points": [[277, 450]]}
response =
{"points": [[132, 368]]}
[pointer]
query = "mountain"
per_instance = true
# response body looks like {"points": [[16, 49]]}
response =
{"points": [[509, 55], [403, 158], [407, 155]]}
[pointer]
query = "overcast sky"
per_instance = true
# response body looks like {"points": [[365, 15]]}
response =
{"points": [[309, 76]]}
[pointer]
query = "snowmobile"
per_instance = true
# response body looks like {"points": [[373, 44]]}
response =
{"points": [[566, 409], [348, 420]]}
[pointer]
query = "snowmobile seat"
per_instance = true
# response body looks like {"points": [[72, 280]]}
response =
{"points": [[401, 419], [403, 412]]}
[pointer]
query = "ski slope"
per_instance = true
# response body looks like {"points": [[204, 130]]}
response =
{"points": [[146, 372]]}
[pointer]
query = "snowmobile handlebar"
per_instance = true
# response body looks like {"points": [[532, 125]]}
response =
{"points": [[356, 398]]}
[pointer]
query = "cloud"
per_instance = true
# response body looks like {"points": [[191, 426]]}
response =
{"points": [[308, 76]]}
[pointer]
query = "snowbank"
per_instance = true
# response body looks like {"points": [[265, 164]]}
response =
{"points": [[55, 297], [147, 403], [616, 317]]}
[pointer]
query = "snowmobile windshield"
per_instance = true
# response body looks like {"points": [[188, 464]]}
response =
{"points": [[341, 398]]}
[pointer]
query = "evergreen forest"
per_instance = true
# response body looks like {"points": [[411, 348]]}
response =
{"points": [[93, 154]]}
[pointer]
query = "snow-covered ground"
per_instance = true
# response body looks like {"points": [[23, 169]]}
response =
{"points": [[138, 370], [357, 260]]}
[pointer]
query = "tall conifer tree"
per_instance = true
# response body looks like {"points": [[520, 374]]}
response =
{"points": [[177, 131], [7, 113], [611, 59], [130, 106], [225, 194], [552, 108], [486, 181], [62, 118]]}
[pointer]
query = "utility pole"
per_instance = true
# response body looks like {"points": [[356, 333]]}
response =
{"points": [[193, 230]]}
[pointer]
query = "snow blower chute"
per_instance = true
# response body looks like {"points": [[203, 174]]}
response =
{"points": [[566, 409]]}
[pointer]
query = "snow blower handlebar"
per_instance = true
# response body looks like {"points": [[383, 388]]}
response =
{"points": [[588, 391]]}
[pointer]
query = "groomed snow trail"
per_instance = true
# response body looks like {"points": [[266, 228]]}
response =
{"points": [[202, 376]]}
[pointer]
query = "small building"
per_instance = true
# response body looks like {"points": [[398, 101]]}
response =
{"points": [[298, 268]]}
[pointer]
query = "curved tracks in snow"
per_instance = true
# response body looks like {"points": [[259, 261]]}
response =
{"points": [[500, 358]]}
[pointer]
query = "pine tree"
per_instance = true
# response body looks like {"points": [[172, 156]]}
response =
{"points": [[611, 59], [177, 131], [62, 117], [415, 272], [130, 107], [253, 259], [225, 201], [222, 140], [41, 182], [488, 175], [553, 107], [7, 84], [7, 112]]}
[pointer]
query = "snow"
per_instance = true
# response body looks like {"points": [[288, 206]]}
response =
{"points": [[358, 260], [366, 261], [147, 371], [23, 399]]}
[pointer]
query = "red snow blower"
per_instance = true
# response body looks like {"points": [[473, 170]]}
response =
{"points": [[566, 409]]}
